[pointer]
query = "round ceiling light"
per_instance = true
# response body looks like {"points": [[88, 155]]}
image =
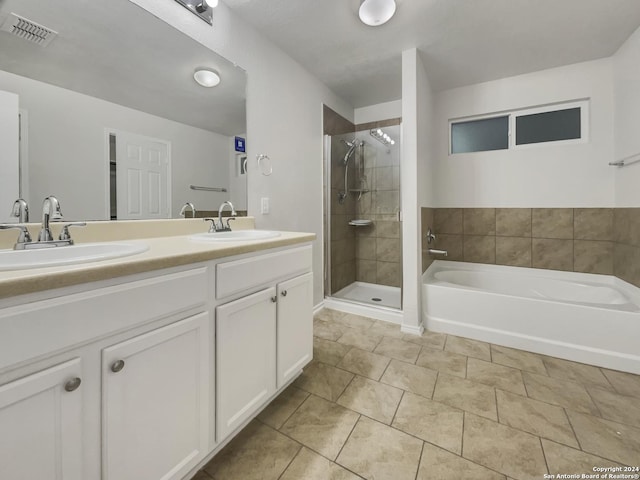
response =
{"points": [[206, 78], [376, 12]]}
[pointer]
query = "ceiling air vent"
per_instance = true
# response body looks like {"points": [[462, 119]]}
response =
{"points": [[28, 30]]}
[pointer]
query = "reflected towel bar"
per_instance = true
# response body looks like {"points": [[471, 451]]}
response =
{"points": [[208, 189], [626, 161]]}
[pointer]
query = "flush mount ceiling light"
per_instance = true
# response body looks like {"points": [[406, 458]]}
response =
{"points": [[206, 78], [376, 12]]}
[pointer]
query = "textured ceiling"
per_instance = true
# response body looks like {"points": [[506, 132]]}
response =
{"points": [[461, 42]]}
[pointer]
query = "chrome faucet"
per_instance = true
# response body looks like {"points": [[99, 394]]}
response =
{"points": [[50, 211], [219, 227], [20, 210], [183, 210]]}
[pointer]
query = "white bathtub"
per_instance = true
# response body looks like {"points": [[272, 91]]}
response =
{"points": [[587, 318]]}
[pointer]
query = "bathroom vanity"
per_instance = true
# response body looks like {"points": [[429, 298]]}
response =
{"points": [[148, 366]]}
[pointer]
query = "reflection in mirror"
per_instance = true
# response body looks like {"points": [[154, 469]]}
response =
{"points": [[102, 110]]}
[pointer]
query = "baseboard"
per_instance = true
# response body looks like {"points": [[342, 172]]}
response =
{"points": [[318, 307], [412, 329]]}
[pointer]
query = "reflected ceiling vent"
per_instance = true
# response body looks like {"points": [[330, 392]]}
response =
{"points": [[28, 30]]}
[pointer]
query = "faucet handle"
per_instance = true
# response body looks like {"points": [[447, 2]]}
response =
{"points": [[64, 234], [229, 220], [24, 237], [213, 224]]}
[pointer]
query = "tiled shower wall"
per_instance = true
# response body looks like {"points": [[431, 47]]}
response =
{"points": [[626, 248], [343, 238], [379, 246], [590, 240]]}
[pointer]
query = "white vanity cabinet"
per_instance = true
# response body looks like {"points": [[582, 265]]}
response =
{"points": [[245, 358], [41, 425], [263, 340], [155, 390], [294, 327], [146, 377]]}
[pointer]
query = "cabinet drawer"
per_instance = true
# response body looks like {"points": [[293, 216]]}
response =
{"points": [[248, 273], [44, 327]]}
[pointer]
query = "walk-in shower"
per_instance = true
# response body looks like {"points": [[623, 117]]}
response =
{"points": [[363, 246]]}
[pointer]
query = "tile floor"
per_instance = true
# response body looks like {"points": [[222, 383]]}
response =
{"points": [[377, 404]]}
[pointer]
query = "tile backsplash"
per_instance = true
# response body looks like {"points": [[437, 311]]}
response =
{"points": [[571, 239]]}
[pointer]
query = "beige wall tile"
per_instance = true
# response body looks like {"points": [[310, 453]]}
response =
{"points": [[513, 251], [388, 250], [334, 123], [452, 244], [387, 201], [479, 249], [552, 223], [590, 256], [593, 224], [552, 254], [366, 271], [447, 220], [343, 251], [626, 263], [513, 222], [366, 248], [626, 226], [340, 228], [389, 273], [388, 229], [479, 221], [342, 275]]}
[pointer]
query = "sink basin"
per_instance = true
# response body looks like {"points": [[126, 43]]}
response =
{"points": [[235, 236], [69, 255]]}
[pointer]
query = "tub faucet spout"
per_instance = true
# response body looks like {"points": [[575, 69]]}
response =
{"points": [[434, 251]]}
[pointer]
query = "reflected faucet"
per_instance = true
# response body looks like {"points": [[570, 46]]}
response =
{"points": [[50, 211], [20, 210], [183, 210]]}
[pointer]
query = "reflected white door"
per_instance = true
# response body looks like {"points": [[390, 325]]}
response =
{"points": [[9, 148], [142, 177]]}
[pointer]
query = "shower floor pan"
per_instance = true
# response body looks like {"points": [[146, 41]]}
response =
{"points": [[371, 294]]}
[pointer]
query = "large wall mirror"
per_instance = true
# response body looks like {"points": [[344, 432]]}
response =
{"points": [[110, 119]]}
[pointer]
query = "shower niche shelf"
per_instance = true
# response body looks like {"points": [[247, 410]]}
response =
{"points": [[361, 223]]}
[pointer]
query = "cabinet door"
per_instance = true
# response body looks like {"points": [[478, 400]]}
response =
{"points": [[156, 402], [295, 326], [245, 358], [41, 425]]}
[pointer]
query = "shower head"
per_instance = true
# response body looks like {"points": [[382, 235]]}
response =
{"points": [[352, 148]]}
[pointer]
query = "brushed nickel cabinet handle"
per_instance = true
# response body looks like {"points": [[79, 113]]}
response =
{"points": [[72, 385], [284, 293], [274, 299], [117, 366]]}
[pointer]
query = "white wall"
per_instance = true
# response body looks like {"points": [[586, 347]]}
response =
{"points": [[415, 180], [626, 68], [380, 111], [8, 153], [539, 176], [284, 121], [67, 151]]}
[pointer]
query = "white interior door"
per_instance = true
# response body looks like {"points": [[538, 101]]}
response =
{"points": [[142, 177], [9, 148]]}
